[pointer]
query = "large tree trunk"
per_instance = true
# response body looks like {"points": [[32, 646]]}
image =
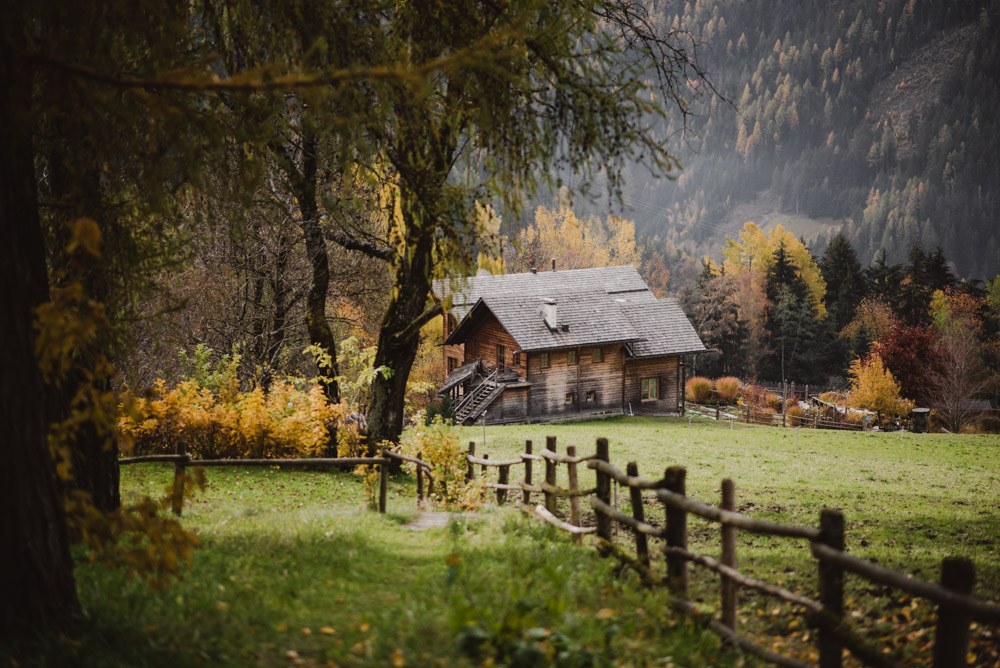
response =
{"points": [[411, 290], [36, 582], [75, 182], [320, 333], [317, 325]]}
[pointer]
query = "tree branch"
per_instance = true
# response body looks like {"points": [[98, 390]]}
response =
{"points": [[415, 326], [264, 79], [350, 242]]}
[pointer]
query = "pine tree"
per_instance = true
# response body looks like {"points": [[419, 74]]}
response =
{"points": [[845, 281], [883, 281]]}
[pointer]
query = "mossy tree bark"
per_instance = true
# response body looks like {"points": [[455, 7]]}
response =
{"points": [[36, 582]]}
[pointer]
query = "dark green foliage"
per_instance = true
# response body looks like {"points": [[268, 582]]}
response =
{"points": [[845, 281], [443, 408], [884, 279]]}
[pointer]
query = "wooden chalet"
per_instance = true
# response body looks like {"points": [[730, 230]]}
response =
{"points": [[561, 345]]}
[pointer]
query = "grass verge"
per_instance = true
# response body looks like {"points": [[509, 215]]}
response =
{"points": [[293, 572]]}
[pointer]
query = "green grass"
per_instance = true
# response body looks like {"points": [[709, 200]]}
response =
{"points": [[286, 551], [293, 571], [908, 501]]}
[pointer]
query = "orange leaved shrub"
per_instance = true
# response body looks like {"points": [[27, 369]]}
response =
{"points": [[698, 390], [727, 389], [795, 415]]}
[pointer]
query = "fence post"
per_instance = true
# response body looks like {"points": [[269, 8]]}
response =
{"points": [[748, 413], [470, 474], [504, 477], [574, 501], [716, 413], [526, 495], [177, 498], [420, 479], [603, 491], [674, 480], [550, 475], [639, 513], [831, 586], [952, 635], [728, 556], [816, 421], [383, 483], [485, 468]]}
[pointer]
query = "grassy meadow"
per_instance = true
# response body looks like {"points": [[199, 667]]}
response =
{"points": [[294, 571], [909, 500]]}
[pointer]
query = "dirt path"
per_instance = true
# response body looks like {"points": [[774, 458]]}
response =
{"points": [[434, 520]]}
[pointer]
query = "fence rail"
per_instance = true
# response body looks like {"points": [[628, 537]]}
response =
{"points": [[751, 415], [182, 460], [957, 608]]}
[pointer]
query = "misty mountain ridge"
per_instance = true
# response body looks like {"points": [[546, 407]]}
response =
{"points": [[878, 119]]}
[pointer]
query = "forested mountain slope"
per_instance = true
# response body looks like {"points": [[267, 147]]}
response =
{"points": [[879, 117]]}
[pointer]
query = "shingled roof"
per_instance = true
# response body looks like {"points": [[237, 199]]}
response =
{"points": [[465, 292], [666, 330], [594, 307]]}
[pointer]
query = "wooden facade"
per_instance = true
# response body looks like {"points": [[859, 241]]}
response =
{"points": [[565, 389], [568, 386], [563, 345], [667, 374]]}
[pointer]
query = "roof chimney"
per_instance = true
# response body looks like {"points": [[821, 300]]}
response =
{"points": [[534, 270], [547, 309], [553, 264]]}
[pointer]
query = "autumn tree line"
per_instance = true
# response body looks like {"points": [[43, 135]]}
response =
{"points": [[773, 311], [250, 173]]}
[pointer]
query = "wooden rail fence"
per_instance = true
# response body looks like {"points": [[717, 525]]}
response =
{"points": [[957, 608], [749, 415], [181, 460]]}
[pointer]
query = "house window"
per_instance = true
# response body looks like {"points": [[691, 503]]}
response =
{"points": [[569, 397], [591, 396], [650, 389], [543, 360], [501, 358], [573, 357], [598, 354], [517, 359], [452, 364]]}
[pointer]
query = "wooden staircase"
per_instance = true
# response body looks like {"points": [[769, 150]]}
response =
{"points": [[479, 399]]}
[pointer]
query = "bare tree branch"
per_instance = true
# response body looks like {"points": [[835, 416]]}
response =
{"points": [[369, 248]]}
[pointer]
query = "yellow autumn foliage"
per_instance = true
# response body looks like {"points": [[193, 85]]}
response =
{"points": [[874, 388], [135, 538], [439, 446], [284, 422], [755, 251], [576, 243]]}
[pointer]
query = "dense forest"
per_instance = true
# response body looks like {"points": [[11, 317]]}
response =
{"points": [[877, 119]]}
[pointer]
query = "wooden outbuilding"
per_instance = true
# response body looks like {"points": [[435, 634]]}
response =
{"points": [[562, 345]]}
